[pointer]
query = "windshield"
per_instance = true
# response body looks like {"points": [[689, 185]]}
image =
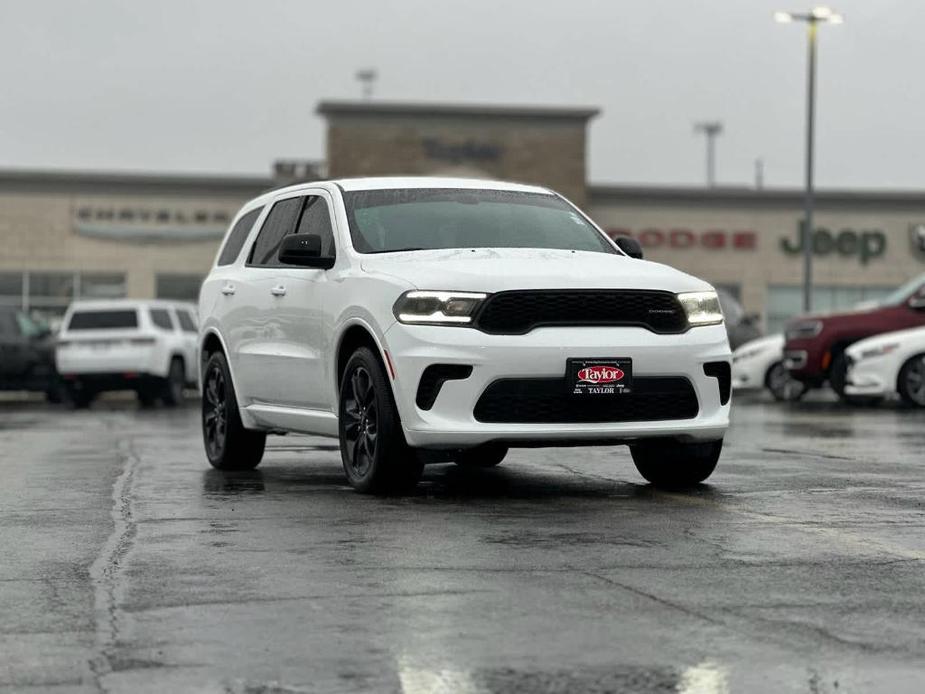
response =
{"points": [[103, 320], [904, 292], [383, 221]]}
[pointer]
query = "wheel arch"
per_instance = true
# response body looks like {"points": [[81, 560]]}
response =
{"points": [[353, 334], [897, 382]]}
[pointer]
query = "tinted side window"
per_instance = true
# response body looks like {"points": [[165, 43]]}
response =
{"points": [[280, 222], [8, 327], [317, 220], [237, 237], [161, 318], [187, 324]]}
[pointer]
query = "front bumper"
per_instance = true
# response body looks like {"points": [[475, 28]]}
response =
{"points": [[873, 377], [542, 353]]}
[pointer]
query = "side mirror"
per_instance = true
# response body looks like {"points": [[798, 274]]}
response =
{"points": [[304, 250], [630, 246], [917, 302]]}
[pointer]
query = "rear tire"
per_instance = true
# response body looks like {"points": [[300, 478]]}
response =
{"points": [[229, 446], [487, 455], [911, 381], [675, 465], [79, 396], [145, 397], [172, 390], [375, 455]]}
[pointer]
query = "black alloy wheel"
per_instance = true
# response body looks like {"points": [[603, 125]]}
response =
{"points": [[911, 381], [375, 455], [361, 425], [214, 413], [229, 446]]}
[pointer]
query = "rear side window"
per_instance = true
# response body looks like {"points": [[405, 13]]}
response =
{"points": [[279, 223], [238, 236], [8, 327], [161, 318], [187, 324], [317, 220], [103, 320]]}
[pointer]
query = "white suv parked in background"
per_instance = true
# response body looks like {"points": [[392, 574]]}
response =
{"points": [[459, 317], [146, 346]]}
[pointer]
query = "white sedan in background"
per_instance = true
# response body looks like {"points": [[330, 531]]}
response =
{"points": [[759, 364], [888, 363]]}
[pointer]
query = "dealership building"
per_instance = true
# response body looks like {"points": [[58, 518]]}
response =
{"points": [[94, 234]]}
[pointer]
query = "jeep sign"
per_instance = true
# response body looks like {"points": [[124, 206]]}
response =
{"points": [[864, 245]]}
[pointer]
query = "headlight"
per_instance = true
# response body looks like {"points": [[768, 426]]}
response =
{"points": [[880, 351], [437, 308], [802, 330], [741, 355], [702, 308]]}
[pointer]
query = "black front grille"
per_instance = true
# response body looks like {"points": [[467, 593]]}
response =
{"points": [[519, 312], [548, 401]]}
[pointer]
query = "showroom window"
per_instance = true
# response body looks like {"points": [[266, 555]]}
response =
{"points": [[49, 293], [181, 287], [786, 301], [11, 288]]}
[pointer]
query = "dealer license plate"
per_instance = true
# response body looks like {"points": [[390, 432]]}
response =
{"points": [[600, 377]]}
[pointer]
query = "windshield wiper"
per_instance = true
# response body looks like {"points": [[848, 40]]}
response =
{"points": [[399, 250]]}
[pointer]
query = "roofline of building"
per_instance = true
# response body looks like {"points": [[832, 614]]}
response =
{"points": [[393, 108], [783, 197], [123, 181]]}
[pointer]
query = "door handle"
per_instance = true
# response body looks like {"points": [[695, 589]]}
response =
{"points": [[278, 290], [228, 289]]}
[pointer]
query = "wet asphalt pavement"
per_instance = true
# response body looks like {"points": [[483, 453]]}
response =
{"points": [[129, 566]]}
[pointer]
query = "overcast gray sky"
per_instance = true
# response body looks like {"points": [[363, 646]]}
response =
{"points": [[224, 86]]}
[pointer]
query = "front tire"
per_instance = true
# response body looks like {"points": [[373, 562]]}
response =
{"points": [[488, 455], [676, 465], [911, 381], [229, 446], [782, 386], [376, 457], [838, 379]]}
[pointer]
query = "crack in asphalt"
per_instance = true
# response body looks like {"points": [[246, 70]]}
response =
{"points": [[655, 598], [299, 598], [104, 572]]}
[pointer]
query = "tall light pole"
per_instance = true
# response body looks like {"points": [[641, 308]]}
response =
{"points": [[367, 77], [816, 16], [711, 129]]}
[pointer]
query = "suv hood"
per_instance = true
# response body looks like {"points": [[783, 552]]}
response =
{"points": [[850, 314], [500, 269]]}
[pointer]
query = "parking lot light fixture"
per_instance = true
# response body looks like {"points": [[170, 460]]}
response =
{"points": [[816, 16]]}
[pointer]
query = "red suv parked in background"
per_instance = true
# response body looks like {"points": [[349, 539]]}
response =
{"points": [[815, 347]]}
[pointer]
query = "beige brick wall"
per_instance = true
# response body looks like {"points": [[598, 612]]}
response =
{"points": [[37, 234], [544, 152]]}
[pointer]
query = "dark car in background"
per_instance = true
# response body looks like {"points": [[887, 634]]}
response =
{"points": [[27, 355], [814, 351], [741, 327]]}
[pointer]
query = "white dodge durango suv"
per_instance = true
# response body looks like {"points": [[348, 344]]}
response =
{"points": [[429, 319]]}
